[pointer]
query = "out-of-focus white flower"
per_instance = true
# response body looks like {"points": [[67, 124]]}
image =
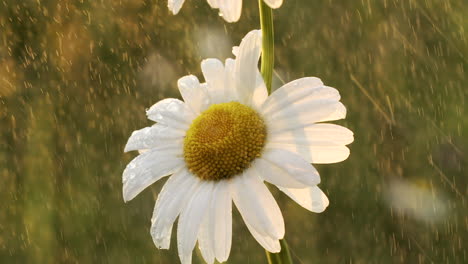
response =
{"points": [[417, 200], [223, 141], [230, 10]]}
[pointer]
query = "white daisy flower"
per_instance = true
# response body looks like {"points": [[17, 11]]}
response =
{"points": [[230, 10], [223, 141]]}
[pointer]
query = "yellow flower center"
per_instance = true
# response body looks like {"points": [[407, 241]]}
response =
{"points": [[223, 141]]}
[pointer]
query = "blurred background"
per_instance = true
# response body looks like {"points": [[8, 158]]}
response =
{"points": [[76, 78]]}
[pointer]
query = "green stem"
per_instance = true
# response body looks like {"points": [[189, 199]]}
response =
{"points": [[268, 59], [283, 257]]}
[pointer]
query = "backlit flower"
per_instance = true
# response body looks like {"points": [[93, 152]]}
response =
{"points": [[223, 141], [230, 10]]}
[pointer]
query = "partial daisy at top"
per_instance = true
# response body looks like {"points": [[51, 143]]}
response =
{"points": [[223, 142], [230, 10]]}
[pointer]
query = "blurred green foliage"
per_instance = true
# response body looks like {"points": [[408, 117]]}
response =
{"points": [[76, 77]]}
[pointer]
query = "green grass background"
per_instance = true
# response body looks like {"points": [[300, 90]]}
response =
{"points": [[76, 78]]}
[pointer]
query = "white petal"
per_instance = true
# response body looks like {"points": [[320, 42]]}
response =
{"points": [[274, 3], [149, 167], [260, 92], [213, 3], [312, 198], [235, 50], [205, 238], [154, 136], [316, 154], [171, 200], [230, 9], [141, 151], [195, 96], [229, 81], [257, 206], [190, 220], [316, 134], [287, 169], [171, 112], [275, 175], [301, 103], [221, 215], [246, 67], [270, 244], [213, 71], [175, 5], [291, 91], [215, 236], [309, 102], [229, 66], [317, 143], [301, 115]]}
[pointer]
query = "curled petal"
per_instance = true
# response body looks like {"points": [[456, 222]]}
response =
{"points": [[311, 198], [171, 112]]}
